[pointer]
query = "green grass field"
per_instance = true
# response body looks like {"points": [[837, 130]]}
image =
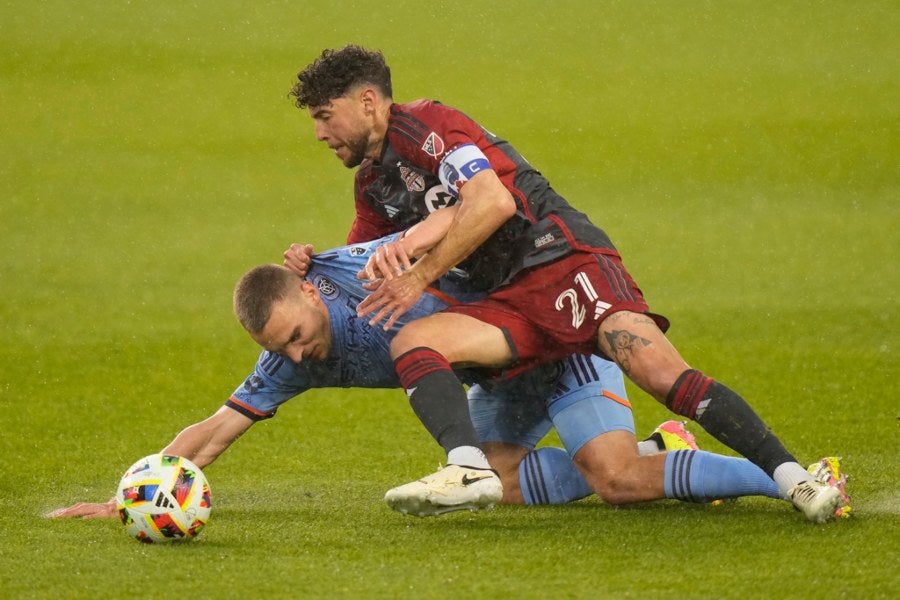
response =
{"points": [[743, 156]]}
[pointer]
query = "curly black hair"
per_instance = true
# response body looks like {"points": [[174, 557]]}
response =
{"points": [[335, 72]]}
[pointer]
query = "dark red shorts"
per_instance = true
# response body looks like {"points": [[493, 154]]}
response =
{"points": [[554, 310]]}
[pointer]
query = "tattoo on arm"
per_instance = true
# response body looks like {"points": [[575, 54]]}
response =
{"points": [[622, 346]]}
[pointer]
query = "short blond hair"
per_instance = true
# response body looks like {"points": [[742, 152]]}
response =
{"points": [[257, 292]]}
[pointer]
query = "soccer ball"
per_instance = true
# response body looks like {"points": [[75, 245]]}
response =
{"points": [[163, 498]]}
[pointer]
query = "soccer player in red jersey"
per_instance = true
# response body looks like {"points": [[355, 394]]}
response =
{"points": [[556, 283]]}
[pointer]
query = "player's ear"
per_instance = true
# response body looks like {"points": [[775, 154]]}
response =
{"points": [[369, 98], [309, 291]]}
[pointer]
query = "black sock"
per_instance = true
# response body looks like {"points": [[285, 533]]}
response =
{"points": [[657, 439], [728, 418], [437, 397]]}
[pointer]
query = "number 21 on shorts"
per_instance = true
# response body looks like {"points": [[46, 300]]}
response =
{"points": [[570, 296]]}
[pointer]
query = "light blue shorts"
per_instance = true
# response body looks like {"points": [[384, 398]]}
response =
{"points": [[581, 396]]}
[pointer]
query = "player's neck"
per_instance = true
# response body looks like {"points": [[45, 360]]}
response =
{"points": [[379, 131]]}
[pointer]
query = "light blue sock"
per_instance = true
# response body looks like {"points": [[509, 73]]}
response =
{"points": [[697, 476], [548, 476]]}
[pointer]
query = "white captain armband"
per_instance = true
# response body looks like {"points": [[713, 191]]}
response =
{"points": [[460, 165]]}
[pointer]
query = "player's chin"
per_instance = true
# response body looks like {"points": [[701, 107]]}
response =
{"points": [[320, 354], [348, 157]]}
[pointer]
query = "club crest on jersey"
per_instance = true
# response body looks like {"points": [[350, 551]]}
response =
{"points": [[327, 288], [357, 250], [434, 145], [414, 181]]}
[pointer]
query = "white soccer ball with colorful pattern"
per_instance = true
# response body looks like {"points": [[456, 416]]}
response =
{"points": [[163, 498]]}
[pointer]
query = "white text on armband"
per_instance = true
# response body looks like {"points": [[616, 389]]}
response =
{"points": [[460, 165]]}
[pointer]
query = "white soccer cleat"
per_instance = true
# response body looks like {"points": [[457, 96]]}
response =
{"points": [[817, 500], [452, 488]]}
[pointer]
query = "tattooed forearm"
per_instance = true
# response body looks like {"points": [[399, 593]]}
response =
{"points": [[622, 345]]}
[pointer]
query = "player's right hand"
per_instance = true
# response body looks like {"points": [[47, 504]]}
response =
{"points": [[86, 510], [297, 258]]}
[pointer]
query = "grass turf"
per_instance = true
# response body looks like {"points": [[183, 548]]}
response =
{"points": [[742, 156]]}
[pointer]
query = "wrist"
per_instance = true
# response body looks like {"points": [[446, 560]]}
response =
{"points": [[408, 244], [420, 272]]}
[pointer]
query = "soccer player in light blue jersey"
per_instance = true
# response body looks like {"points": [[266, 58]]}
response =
{"points": [[313, 338], [583, 397]]}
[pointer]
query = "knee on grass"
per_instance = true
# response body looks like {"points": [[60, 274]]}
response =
{"points": [[617, 484]]}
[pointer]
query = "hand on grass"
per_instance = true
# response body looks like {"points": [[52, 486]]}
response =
{"points": [[86, 510]]}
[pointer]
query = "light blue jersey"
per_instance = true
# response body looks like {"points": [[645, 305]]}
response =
{"points": [[359, 355], [581, 396]]}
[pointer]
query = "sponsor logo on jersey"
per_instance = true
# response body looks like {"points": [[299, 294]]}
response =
{"points": [[327, 287], [434, 145], [437, 198], [414, 181]]}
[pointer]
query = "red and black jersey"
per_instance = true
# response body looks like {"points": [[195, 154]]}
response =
{"points": [[430, 150]]}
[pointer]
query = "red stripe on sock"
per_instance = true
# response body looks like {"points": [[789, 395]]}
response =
{"points": [[418, 362], [688, 392]]}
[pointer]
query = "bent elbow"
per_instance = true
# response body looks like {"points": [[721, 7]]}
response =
{"points": [[507, 207]]}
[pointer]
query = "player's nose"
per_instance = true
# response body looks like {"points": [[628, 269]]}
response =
{"points": [[296, 355], [321, 131]]}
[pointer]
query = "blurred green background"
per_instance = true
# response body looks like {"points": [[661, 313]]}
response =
{"points": [[742, 155]]}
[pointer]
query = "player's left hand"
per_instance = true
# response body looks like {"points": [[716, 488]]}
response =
{"points": [[388, 261], [392, 298]]}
